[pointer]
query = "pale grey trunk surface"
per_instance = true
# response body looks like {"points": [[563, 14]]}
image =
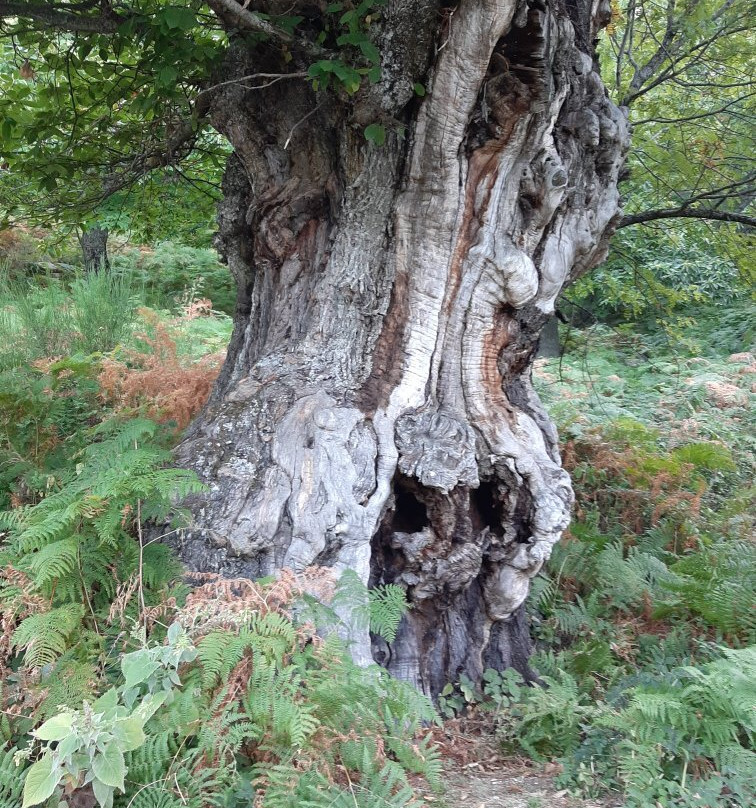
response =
{"points": [[376, 410]]}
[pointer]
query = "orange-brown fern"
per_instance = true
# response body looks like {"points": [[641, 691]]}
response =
{"points": [[167, 386]]}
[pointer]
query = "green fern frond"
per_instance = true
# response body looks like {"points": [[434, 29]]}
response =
{"points": [[387, 605], [273, 705], [156, 795], [69, 684], [44, 637], [639, 767], [55, 560], [734, 759], [150, 762], [211, 653], [706, 455], [116, 436]]}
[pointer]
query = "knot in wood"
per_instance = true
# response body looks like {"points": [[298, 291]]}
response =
{"points": [[438, 448]]}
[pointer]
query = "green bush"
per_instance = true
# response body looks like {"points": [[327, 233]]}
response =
{"points": [[103, 307], [83, 539], [640, 694], [658, 272], [677, 737], [251, 694], [241, 699]]}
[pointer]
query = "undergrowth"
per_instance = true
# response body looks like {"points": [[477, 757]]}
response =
{"points": [[239, 702], [126, 682]]}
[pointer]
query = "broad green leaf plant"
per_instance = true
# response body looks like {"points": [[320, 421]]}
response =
{"points": [[88, 746]]}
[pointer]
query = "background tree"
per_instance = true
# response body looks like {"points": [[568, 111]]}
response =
{"points": [[685, 73], [685, 70], [81, 153], [411, 186]]}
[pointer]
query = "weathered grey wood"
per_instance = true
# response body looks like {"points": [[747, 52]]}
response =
{"points": [[375, 411]]}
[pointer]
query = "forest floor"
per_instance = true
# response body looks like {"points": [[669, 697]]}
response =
{"points": [[477, 774], [516, 784], [648, 599]]}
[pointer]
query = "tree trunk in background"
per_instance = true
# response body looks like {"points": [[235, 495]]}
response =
{"points": [[375, 411], [94, 248]]}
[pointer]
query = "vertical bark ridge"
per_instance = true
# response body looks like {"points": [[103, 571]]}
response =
{"points": [[475, 344]]}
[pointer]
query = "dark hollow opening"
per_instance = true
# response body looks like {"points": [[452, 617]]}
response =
{"points": [[488, 507], [410, 514]]}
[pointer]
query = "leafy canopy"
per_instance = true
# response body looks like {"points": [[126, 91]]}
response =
{"points": [[96, 95], [685, 71]]}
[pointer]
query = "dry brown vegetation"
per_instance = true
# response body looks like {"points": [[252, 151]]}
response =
{"points": [[169, 386]]}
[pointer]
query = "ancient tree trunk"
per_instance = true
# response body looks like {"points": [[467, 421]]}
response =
{"points": [[94, 248], [376, 411]]}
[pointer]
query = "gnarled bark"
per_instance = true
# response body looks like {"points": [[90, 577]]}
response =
{"points": [[376, 411]]}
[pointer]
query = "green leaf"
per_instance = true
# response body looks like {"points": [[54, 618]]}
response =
{"points": [[419, 89], [348, 76], [317, 69], [137, 668], [6, 128], [369, 51], [179, 17], [376, 133], [167, 76], [56, 728], [41, 780], [288, 22], [67, 747], [149, 706], [175, 630], [103, 793], [85, 49], [108, 701], [129, 733], [109, 766]]}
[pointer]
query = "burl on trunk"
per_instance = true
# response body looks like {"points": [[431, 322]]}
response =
{"points": [[376, 410]]}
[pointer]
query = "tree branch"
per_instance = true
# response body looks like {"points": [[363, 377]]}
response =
{"points": [[242, 17], [63, 20], [176, 146], [687, 213], [698, 116], [681, 60], [662, 54]]}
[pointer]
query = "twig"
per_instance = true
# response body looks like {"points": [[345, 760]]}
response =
{"points": [[299, 123], [275, 77]]}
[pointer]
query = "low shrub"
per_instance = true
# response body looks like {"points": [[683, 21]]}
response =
{"points": [[168, 386], [241, 702], [677, 737], [40, 321]]}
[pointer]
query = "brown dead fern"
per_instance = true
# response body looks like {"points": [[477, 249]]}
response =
{"points": [[167, 386]]}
